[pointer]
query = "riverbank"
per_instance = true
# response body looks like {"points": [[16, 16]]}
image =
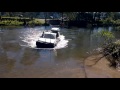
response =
{"points": [[101, 69], [17, 21]]}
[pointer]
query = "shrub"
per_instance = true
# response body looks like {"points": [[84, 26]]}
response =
{"points": [[34, 22], [110, 49], [117, 28], [112, 53], [106, 35]]}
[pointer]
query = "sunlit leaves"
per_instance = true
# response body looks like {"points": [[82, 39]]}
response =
{"points": [[107, 35]]}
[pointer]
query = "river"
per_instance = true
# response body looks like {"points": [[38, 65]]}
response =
{"points": [[20, 58]]}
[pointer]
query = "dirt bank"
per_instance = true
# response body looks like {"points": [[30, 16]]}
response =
{"points": [[101, 69]]}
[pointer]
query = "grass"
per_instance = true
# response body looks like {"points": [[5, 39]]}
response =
{"points": [[36, 22], [17, 21], [42, 21], [11, 23], [15, 17]]}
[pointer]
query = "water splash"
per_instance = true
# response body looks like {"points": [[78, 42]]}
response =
{"points": [[63, 43], [30, 37]]}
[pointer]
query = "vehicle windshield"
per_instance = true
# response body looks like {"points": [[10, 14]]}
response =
{"points": [[57, 33], [49, 36]]}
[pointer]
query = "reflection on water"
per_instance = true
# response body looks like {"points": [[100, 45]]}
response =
{"points": [[6, 63], [20, 58], [11, 46], [29, 57]]}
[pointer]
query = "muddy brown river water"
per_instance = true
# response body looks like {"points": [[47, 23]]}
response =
{"points": [[20, 58]]}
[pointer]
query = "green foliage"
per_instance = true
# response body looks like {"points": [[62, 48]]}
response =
{"points": [[95, 18], [117, 42], [11, 22], [35, 22], [110, 21], [112, 53], [15, 21], [107, 35], [117, 28], [116, 22], [110, 49], [107, 21]]}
